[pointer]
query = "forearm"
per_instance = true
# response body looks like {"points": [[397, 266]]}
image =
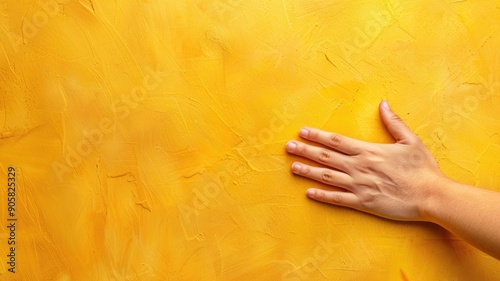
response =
{"points": [[469, 212]]}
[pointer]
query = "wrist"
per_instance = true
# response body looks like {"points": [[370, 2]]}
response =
{"points": [[438, 193]]}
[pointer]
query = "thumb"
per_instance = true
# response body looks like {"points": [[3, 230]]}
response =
{"points": [[396, 127]]}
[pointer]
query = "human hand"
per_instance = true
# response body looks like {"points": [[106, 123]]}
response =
{"points": [[389, 180]]}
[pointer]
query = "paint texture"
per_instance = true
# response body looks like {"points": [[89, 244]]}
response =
{"points": [[148, 136]]}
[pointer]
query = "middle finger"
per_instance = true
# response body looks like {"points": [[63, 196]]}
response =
{"points": [[321, 155]]}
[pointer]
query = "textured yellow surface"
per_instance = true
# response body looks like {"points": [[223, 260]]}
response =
{"points": [[148, 136]]}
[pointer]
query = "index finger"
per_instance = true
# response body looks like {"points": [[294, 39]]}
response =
{"points": [[338, 142]]}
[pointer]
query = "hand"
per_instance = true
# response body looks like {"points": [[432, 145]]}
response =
{"points": [[389, 180]]}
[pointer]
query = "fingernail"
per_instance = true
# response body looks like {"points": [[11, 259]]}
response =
{"points": [[304, 133], [310, 193], [296, 167], [385, 104], [290, 146]]}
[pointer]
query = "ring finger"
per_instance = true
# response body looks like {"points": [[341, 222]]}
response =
{"points": [[321, 155]]}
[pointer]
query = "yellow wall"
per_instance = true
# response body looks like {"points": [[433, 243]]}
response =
{"points": [[148, 136]]}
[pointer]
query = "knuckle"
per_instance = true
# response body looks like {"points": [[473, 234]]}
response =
{"points": [[362, 168], [313, 134], [305, 170], [336, 198], [320, 195], [335, 140], [301, 149], [372, 150], [324, 155], [368, 201], [395, 118], [327, 176]]}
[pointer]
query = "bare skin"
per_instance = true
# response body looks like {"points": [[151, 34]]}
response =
{"points": [[399, 181]]}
